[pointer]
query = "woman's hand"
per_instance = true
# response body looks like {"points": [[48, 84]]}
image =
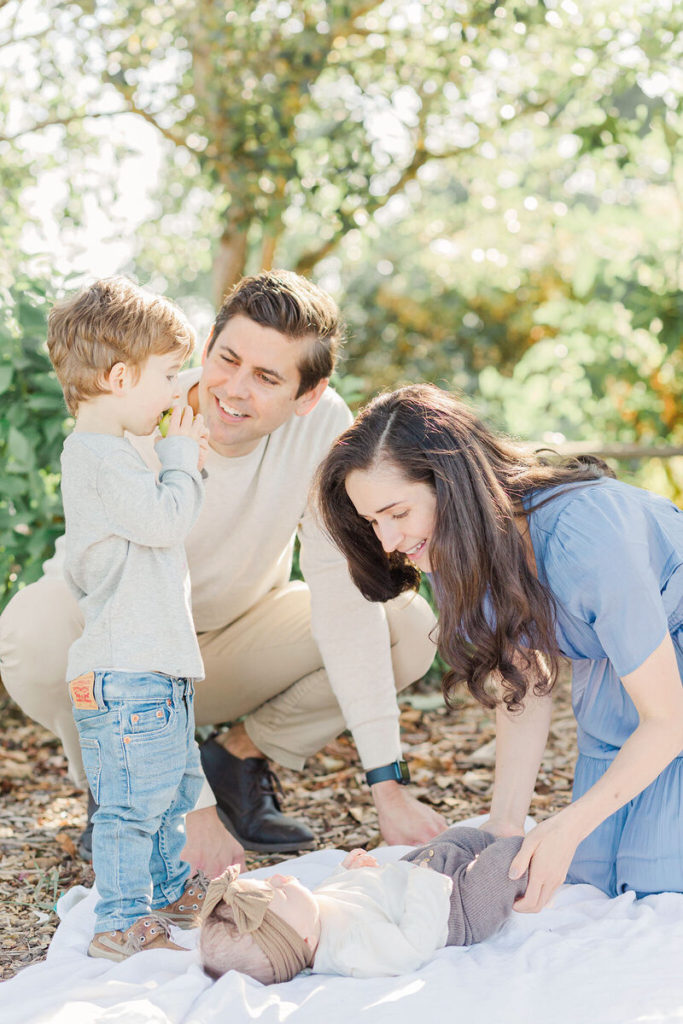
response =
{"points": [[546, 852]]}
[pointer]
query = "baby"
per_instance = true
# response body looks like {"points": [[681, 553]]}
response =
{"points": [[365, 920]]}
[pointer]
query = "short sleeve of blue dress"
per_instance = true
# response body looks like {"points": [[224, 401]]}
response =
{"points": [[598, 561], [612, 556]]}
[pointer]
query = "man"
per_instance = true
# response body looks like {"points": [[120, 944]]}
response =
{"points": [[289, 664]]}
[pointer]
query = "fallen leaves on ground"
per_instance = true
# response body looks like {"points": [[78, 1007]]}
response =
{"points": [[450, 752]]}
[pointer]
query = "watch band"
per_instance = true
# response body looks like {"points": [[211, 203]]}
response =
{"points": [[397, 771]]}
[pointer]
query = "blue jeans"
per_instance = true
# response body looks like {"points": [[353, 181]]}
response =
{"points": [[144, 771]]}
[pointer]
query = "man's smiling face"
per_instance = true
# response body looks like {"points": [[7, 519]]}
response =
{"points": [[249, 384]]}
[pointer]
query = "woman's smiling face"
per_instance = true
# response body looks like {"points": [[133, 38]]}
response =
{"points": [[402, 512]]}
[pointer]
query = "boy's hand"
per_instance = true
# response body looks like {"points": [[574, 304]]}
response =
{"points": [[359, 859], [182, 422]]}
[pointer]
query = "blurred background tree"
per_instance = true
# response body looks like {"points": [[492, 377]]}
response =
{"points": [[490, 190], [33, 424]]}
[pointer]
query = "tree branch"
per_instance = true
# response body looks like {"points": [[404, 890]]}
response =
{"points": [[132, 108], [49, 122], [306, 262], [346, 26], [420, 157]]}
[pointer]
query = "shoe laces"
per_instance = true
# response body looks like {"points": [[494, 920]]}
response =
{"points": [[144, 932], [271, 785], [196, 886]]}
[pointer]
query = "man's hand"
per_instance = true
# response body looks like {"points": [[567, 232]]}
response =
{"points": [[403, 820], [203, 449], [209, 847], [359, 859]]}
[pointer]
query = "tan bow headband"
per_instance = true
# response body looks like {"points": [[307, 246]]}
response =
{"points": [[283, 946]]}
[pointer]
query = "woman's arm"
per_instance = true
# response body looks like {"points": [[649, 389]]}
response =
{"points": [[655, 689], [520, 742]]}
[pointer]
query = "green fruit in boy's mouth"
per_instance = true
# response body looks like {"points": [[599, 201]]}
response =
{"points": [[164, 422]]}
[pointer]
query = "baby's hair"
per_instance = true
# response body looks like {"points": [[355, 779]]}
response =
{"points": [[223, 949], [112, 321]]}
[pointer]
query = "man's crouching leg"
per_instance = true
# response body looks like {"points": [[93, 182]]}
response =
{"points": [[266, 669], [36, 630]]}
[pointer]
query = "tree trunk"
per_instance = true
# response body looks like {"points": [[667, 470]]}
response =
{"points": [[229, 263], [268, 252]]}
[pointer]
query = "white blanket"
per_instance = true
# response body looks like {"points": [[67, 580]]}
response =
{"points": [[586, 959]]}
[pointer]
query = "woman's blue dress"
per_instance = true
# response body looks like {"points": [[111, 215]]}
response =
{"points": [[612, 556]]}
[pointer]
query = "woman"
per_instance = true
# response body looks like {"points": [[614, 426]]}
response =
{"points": [[531, 561]]}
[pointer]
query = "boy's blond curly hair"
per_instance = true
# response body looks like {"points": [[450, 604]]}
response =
{"points": [[112, 321]]}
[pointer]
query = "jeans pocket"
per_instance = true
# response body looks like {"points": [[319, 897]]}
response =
{"points": [[92, 762], [86, 720], [149, 719], [155, 753]]}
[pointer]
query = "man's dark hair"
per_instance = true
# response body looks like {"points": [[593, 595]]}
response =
{"points": [[295, 307]]}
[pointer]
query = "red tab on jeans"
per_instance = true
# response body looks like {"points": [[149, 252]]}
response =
{"points": [[82, 690]]}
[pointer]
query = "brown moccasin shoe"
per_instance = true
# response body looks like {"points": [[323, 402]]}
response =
{"points": [[146, 933], [185, 911]]}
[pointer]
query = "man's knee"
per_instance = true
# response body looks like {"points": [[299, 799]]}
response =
{"points": [[36, 629], [411, 626], [15, 625]]}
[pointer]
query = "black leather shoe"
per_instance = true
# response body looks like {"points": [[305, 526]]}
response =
{"points": [[84, 844], [247, 803]]}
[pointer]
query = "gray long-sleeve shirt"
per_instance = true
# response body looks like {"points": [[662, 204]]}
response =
{"points": [[125, 555]]}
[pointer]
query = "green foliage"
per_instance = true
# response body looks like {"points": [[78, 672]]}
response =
{"points": [[492, 192], [596, 377], [289, 126], [599, 378], [33, 424]]}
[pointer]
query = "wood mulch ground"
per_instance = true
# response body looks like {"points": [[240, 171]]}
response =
{"points": [[451, 762]]}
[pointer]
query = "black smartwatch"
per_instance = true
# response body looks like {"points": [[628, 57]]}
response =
{"points": [[397, 771]]}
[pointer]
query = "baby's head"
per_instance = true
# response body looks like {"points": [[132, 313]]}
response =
{"points": [[266, 928], [110, 322]]}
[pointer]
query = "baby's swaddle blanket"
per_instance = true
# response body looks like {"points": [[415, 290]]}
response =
{"points": [[586, 959]]}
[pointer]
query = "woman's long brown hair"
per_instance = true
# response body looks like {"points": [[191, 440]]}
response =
{"points": [[494, 614]]}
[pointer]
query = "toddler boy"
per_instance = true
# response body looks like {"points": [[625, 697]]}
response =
{"points": [[365, 920], [117, 350]]}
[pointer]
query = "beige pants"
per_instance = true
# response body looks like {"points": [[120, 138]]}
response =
{"points": [[265, 666]]}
